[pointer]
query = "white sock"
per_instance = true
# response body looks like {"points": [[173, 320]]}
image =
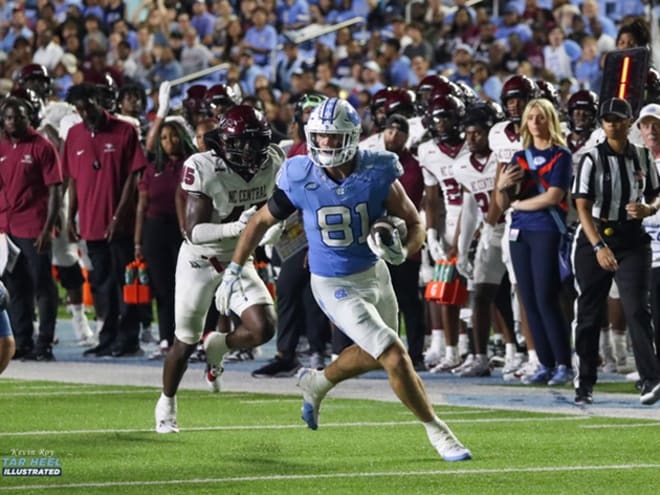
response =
{"points": [[76, 310], [437, 340], [451, 352], [321, 384], [463, 347], [215, 346], [532, 357], [509, 351], [165, 398], [434, 426]]}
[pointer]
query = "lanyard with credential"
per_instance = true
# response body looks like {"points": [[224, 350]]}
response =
{"points": [[541, 189]]}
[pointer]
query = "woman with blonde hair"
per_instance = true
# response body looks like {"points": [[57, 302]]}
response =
{"points": [[535, 186]]}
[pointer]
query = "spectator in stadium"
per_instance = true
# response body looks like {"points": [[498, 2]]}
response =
{"points": [[7, 343], [347, 268], [487, 85], [633, 34], [557, 60], [31, 179], [417, 45], [261, 37], [398, 65], [203, 22], [102, 157], [534, 184], [611, 244], [157, 230]]}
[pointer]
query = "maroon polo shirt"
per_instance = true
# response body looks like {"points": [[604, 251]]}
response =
{"points": [[412, 181], [100, 162], [27, 168], [161, 188]]}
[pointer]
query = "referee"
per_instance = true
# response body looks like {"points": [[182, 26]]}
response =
{"points": [[615, 187]]}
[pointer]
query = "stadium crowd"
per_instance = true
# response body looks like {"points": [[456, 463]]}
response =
{"points": [[491, 107]]}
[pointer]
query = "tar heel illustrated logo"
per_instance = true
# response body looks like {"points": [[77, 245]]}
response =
{"points": [[341, 293], [31, 462]]}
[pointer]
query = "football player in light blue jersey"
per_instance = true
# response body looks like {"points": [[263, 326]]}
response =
{"points": [[341, 191]]}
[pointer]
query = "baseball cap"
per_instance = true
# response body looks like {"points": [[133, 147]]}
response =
{"points": [[372, 65], [397, 121], [616, 106], [651, 110], [465, 47], [510, 8]]}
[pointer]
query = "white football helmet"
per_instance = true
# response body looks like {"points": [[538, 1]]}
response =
{"points": [[333, 117]]}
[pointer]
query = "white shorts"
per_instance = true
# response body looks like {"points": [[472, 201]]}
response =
{"points": [[362, 305], [196, 283], [451, 222], [64, 252], [506, 249], [488, 265]]}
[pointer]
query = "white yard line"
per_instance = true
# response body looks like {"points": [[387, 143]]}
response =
{"points": [[295, 477], [619, 425], [289, 427]]}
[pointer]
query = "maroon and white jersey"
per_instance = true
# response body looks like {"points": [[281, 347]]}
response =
{"points": [[208, 174], [504, 141], [437, 161], [596, 137], [477, 176]]}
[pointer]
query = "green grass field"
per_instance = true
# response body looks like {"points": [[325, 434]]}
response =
{"points": [[239, 443]]}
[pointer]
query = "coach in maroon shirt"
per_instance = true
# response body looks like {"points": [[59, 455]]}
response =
{"points": [[405, 277], [101, 158], [30, 198]]}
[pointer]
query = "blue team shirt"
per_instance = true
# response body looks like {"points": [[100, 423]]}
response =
{"points": [[337, 216], [554, 166]]}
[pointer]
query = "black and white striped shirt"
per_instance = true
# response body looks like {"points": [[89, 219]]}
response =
{"points": [[611, 181]]}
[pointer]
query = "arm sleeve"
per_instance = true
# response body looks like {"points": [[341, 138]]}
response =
{"points": [[279, 204]]}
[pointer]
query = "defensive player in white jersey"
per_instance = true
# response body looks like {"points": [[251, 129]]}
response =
{"points": [[223, 186], [475, 172], [504, 140], [443, 193], [341, 191]]}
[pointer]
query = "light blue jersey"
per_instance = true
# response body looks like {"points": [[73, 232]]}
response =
{"points": [[337, 217]]}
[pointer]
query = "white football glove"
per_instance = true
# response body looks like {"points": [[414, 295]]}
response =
{"points": [[273, 234], [435, 245], [231, 282], [163, 99], [394, 254], [239, 225], [464, 267]]}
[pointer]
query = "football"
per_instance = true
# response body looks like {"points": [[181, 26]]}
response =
{"points": [[385, 226]]}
